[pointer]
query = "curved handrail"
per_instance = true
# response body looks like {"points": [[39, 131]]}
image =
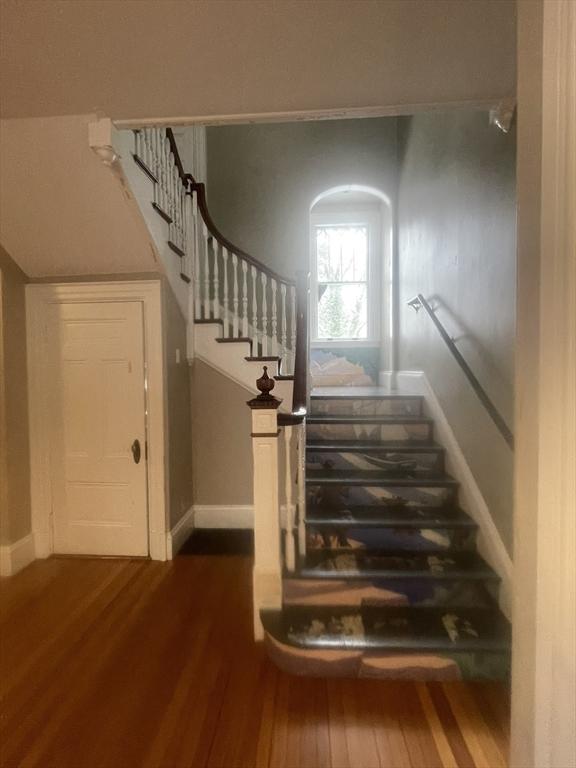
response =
{"points": [[200, 190], [191, 185], [419, 301], [301, 286]]}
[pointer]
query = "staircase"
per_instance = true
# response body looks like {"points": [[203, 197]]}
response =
{"points": [[390, 585], [365, 565]]}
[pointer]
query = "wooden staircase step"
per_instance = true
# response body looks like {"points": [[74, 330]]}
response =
{"points": [[368, 419], [391, 628], [392, 566], [377, 479], [388, 517], [384, 446]]}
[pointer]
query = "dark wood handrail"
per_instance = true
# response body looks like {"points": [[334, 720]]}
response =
{"points": [[200, 190], [177, 158], [191, 185], [300, 389], [301, 284], [419, 301]]}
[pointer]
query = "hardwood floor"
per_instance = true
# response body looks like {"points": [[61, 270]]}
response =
{"points": [[135, 664]]}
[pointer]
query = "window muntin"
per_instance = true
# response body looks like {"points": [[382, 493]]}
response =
{"points": [[342, 273]]}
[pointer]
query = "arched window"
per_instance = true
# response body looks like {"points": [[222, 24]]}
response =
{"points": [[350, 265]]}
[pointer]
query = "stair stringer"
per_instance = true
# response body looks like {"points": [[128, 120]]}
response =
{"points": [[489, 542], [229, 360]]}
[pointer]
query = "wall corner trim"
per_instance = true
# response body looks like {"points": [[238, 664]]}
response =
{"points": [[490, 544], [179, 533], [14, 557]]}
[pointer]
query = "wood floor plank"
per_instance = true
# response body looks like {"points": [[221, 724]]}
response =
{"points": [[135, 664]]}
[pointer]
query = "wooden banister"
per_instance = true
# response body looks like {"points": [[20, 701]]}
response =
{"points": [[200, 190], [177, 159]]}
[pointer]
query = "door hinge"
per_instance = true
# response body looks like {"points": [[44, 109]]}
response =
{"points": [[146, 450]]}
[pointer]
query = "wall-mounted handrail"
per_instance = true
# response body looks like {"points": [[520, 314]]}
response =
{"points": [[419, 301]]}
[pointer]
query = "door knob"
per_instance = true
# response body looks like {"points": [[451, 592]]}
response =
{"points": [[136, 451]]}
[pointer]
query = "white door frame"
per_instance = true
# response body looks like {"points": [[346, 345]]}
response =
{"points": [[39, 297], [544, 612]]}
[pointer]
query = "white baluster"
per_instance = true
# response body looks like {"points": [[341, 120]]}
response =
{"points": [[274, 329], [254, 311], [301, 489], [265, 350], [289, 520], [244, 298], [152, 141], [255, 332], [215, 282], [225, 296], [206, 272], [235, 295], [197, 309], [293, 327], [167, 174], [283, 350]]}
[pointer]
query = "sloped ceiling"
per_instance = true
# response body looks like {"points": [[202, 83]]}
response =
{"points": [[62, 211], [165, 58]]}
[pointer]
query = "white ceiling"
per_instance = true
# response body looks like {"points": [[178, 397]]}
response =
{"points": [[210, 58]]}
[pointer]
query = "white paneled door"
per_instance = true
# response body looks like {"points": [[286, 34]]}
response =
{"points": [[98, 455]]}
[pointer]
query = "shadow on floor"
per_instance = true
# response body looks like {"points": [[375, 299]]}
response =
{"points": [[213, 541]]}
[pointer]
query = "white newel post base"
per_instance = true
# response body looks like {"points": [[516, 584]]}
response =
{"points": [[267, 573]]}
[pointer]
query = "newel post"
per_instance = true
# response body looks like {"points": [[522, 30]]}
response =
{"points": [[267, 573]]}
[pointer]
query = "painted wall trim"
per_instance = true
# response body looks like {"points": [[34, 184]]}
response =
{"points": [[14, 557], [179, 533], [490, 544], [38, 298], [218, 516], [310, 114]]}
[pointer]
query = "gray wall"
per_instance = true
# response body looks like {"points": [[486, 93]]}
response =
{"points": [[178, 396], [15, 507], [221, 426], [457, 226], [262, 179]]}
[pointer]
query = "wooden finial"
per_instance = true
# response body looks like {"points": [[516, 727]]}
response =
{"points": [[265, 399]]}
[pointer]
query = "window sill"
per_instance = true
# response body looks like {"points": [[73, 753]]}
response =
{"points": [[343, 343]]}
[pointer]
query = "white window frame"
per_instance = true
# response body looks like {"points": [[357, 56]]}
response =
{"points": [[372, 220]]}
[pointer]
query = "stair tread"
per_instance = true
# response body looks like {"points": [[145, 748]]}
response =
{"points": [[389, 517], [233, 339], [365, 564], [366, 419], [378, 477], [364, 396], [391, 627], [384, 446]]}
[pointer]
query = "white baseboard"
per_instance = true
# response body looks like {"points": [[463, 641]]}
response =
{"points": [[490, 544], [14, 557], [217, 516], [179, 533]]}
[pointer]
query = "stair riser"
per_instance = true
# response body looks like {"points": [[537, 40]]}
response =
{"points": [[410, 433], [404, 539], [457, 593], [366, 407], [417, 665], [342, 495], [396, 463]]}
